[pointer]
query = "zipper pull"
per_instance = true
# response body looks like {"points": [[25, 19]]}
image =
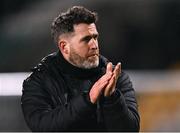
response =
{"points": [[66, 99]]}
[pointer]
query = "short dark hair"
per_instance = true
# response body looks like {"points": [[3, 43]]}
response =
{"points": [[65, 21]]}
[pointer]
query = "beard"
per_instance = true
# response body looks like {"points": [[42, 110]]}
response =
{"points": [[88, 62]]}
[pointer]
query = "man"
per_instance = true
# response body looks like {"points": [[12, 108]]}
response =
{"points": [[76, 88]]}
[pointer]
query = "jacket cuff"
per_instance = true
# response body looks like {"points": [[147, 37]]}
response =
{"points": [[111, 99]]}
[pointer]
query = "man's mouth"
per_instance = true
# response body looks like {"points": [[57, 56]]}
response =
{"points": [[94, 55]]}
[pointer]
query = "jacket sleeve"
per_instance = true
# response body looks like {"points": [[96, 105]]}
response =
{"points": [[120, 112], [38, 110]]}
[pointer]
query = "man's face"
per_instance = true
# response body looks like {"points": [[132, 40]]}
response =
{"points": [[84, 50]]}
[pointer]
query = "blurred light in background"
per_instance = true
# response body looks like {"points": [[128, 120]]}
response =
{"points": [[11, 83]]}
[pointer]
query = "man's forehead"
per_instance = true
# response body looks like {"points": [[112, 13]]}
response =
{"points": [[85, 28]]}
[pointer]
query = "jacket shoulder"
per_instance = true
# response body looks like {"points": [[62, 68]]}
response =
{"points": [[39, 71], [44, 63], [124, 80], [124, 76]]}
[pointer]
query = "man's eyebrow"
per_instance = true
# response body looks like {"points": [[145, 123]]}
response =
{"points": [[88, 37]]}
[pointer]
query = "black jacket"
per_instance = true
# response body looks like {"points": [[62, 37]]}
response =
{"points": [[55, 98]]}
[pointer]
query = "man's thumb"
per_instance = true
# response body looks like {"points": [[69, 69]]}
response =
{"points": [[109, 67]]}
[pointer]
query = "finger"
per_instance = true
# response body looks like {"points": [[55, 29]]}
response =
{"points": [[109, 67], [117, 70], [110, 86], [113, 87]]}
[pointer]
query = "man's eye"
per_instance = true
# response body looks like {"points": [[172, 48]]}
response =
{"points": [[87, 39], [95, 37]]}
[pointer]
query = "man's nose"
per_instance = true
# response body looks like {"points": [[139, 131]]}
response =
{"points": [[93, 44]]}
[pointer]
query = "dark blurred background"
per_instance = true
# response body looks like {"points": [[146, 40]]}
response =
{"points": [[142, 34]]}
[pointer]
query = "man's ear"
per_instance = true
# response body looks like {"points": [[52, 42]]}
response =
{"points": [[63, 46]]}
